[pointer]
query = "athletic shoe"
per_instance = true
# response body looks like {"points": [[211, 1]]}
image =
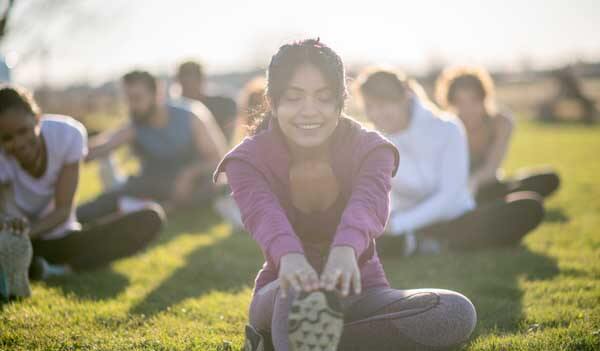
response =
{"points": [[315, 322], [256, 341]]}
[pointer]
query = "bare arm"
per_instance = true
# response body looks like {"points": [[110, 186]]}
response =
{"points": [[103, 144], [503, 127], [66, 186], [209, 140]]}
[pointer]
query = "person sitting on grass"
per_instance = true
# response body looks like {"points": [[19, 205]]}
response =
{"points": [[178, 147], [251, 102], [469, 92], [313, 189], [192, 80], [40, 161], [432, 206]]}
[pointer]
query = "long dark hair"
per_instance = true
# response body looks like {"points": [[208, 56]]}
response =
{"points": [[12, 97], [285, 62], [390, 84]]}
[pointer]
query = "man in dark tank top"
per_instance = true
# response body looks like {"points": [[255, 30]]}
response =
{"points": [[177, 147], [191, 78]]}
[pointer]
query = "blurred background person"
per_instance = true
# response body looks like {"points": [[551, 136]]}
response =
{"points": [[191, 78], [469, 93], [251, 102], [40, 160], [432, 206], [177, 146]]}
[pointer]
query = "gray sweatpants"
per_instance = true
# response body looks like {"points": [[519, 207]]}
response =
{"points": [[379, 319]]}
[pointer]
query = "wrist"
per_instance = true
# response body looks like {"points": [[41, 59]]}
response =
{"points": [[342, 250], [292, 256]]}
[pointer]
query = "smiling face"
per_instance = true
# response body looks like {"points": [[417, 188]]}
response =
{"points": [[307, 111], [20, 135]]}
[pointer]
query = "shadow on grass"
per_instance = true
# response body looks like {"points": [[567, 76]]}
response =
{"points": [[101, 284], [228, 265], [555, 215], [489, 278], [105, 283]]}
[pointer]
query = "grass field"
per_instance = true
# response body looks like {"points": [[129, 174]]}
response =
{"points": [[191, 289]]}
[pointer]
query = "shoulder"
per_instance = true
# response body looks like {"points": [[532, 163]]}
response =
{"points": [[61, 127], [194, 109], [66, 138], [220, 104], [440, 125], [252, 150], [353, 137], [503, 120]]}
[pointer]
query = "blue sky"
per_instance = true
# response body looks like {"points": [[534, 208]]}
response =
{"points": [[235, 35]]}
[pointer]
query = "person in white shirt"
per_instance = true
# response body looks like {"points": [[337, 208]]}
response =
{"points": [[432, 206], [40, 157]]}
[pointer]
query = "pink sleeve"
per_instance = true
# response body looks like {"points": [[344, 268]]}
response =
{"points": [[367, 210], [262, 214]]}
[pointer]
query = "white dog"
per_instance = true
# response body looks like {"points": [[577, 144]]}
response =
{"points": [[15, 247]]}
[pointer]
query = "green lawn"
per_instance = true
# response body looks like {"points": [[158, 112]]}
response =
{"points": [[191, 289]]}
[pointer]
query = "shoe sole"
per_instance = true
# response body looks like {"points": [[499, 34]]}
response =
{"points": [[315, 322]]}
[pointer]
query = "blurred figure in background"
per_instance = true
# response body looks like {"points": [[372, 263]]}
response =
{"points": [[40, 161], [570, 101], [251, 103], [178, 147], [191, 77], [469, 92], [432, 206]]}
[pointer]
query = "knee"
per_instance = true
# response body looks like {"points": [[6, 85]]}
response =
{"points": [[528, 204], [454, 323], [553, 181], [465, 314], [153, 218], [156, 216]]}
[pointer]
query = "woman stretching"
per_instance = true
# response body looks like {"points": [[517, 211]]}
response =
{"points": [[469, 92], [312, 186], [40, 157], [432, 207]]}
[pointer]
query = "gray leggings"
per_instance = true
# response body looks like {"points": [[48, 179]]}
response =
{"points": [[379, 319]]}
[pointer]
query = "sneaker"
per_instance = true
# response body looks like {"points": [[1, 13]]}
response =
{"points": [[315, 322], [256, 341]]}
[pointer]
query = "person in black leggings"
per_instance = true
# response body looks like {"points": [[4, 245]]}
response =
{"points": [[470, 93], [40, 161], [432, 205]]}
